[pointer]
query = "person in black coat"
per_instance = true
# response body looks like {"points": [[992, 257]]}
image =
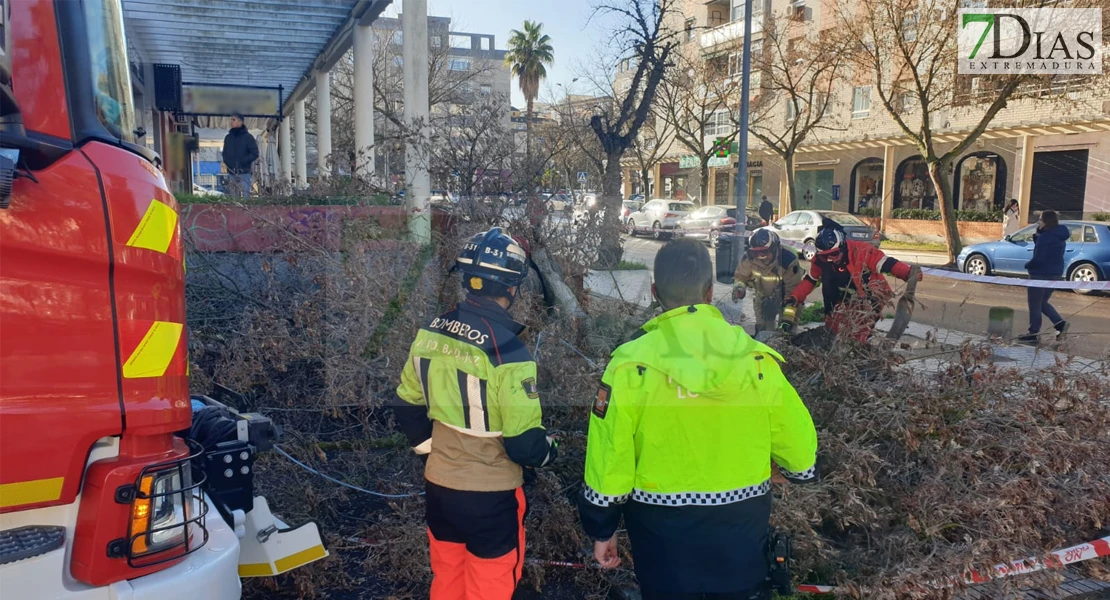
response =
{"points": [[1047, 264], [240, 152], [766, 211]]}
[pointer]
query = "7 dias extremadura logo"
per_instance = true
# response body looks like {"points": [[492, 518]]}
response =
{"points": [[1056, 41]]}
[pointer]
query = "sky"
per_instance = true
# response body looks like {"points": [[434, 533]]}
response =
{"points": [[576, 41]]}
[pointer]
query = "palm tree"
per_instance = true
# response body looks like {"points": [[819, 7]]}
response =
{"points": [[529, 54]]}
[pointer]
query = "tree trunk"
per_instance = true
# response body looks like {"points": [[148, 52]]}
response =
{"points": [[644, 183], [937, 173], [705, 182], [788, 203], [609, 249], [528, 167], [557, 291]]}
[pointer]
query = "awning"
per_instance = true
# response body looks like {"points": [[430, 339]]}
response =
{"points": [[256, 43]]}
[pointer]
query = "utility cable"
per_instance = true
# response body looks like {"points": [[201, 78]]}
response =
{"points": [[342, 483]]}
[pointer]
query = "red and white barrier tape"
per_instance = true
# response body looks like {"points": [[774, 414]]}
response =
{"points": [[1056, 559], [1011, 281]]}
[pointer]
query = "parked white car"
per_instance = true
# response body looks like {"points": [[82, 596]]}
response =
{"points": [[658, 216]]}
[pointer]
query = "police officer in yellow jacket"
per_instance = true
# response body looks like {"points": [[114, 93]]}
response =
{"points": [[688, 418], [469, 401]]}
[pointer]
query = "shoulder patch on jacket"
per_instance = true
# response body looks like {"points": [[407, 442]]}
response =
{"points": [[530, 388], [601, 404]]}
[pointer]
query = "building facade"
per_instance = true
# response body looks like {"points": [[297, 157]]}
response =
{"points": [[1050, 149]]}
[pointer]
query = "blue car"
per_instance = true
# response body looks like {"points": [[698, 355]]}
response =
{"points": [[1087, 257]]}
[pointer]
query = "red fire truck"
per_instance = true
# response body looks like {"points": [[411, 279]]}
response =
{"points": [[105, 490]]}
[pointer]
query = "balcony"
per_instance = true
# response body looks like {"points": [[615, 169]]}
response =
{"points": [[730, 33]]}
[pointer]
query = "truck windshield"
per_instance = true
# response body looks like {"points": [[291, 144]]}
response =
{"points": [[111, 78]]}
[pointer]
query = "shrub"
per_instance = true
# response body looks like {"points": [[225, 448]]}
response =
{"points": [[1101, 217], [870, 211], [924, 214]]}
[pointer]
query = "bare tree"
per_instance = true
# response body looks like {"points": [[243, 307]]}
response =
{"points": [[474, 145], [654, 142], [697, 99], [911, 49], [798, 72], [644, 35]]}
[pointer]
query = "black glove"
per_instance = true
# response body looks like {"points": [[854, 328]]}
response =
{"points": [[789, 301]]}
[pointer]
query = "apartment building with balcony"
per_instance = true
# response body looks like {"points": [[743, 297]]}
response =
{"points": [[1049, 147]]}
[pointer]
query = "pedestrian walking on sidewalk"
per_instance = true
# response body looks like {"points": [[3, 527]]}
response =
{"points": [[688, 418], [766, 211], [1010, 219], [240, 152], [1047, 264]]}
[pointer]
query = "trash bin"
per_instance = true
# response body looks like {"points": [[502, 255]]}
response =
{"points": [[730, 247]]}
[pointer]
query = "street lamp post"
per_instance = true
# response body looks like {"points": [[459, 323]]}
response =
{"points": [[745, 92]]}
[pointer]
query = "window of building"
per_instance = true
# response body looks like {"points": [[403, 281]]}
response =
{"points": [[913, 188], [757, 8], [861, 102], [791, 111], [909, 27], [466, 88], [486, 89], [459, 64], [980, 182], [690, 23], [719, 123], [398, 37], [460, 42], [437, 42], [398, 61]]}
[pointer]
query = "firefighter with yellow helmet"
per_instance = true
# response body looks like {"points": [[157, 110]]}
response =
{"points": [[469, 401]]}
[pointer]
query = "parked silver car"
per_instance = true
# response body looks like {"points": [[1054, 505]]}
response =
{"points": [[801, 226], [657, 216]]}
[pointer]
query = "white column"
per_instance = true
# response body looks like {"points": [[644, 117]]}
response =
{"points": [[364, 101], [286, 152], [323, 124], [414, 27], [302, 146], [888, 185], [1025, 178]]}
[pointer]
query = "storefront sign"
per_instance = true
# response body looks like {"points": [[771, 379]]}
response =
{"points": [[687, 162], [719, 162], [208, 99], [755, 164], [836, 193]]}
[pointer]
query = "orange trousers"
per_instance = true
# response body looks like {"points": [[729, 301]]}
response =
{"points": [[476, 541]]}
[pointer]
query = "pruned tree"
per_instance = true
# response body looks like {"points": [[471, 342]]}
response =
{"points": [[645, 34], [911, 49], [798, 70], [698, 99]]}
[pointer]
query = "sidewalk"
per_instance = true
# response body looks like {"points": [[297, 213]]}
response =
{"points": [[929, 347]]}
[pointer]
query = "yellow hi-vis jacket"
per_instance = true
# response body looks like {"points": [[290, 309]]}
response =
{"points": [[691, 413]]}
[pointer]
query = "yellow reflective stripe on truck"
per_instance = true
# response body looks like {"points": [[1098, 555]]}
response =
{"points": [[300, 558], [30, 492], [155, 230], [153, 355]]}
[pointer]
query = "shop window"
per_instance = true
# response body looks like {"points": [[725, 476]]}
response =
{"points": [[866, 186], [980, 182], [813, 189], [914, 189]]}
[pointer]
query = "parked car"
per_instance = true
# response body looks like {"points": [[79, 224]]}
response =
{"points": [[637, 198], [441, 198], [801, 226], [200, 190], [630, 206], [657, 216], [1086, 256], [707, 223]]}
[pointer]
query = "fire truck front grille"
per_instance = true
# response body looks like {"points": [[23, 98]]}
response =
{"points": [[28, 542]]}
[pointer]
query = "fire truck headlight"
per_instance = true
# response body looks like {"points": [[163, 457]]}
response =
{"points": [[162, 515]]}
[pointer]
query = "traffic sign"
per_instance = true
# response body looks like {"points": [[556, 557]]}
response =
{"points": [[583, 176]]}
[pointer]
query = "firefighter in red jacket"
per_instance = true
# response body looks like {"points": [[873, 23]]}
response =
{"points": [[851, 277]]}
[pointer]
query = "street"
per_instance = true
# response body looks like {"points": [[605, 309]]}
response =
{"points": [[963, 306]]}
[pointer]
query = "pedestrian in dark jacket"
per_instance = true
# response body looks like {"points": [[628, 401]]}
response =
{"points": [[240, 152], [1047, 264], [766, 211]]}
